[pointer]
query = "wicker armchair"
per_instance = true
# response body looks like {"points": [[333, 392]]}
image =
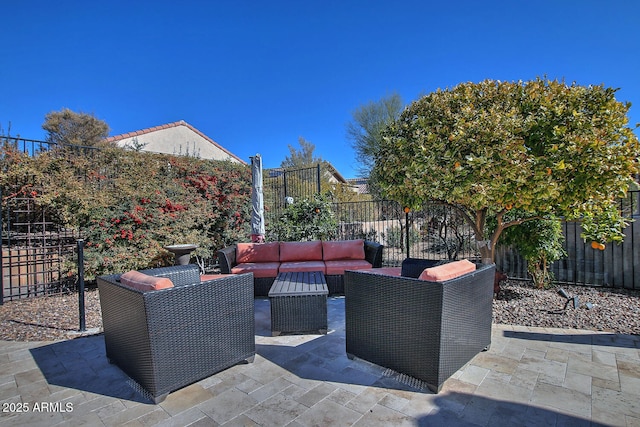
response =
{"points": [[170, 338], [426, 330]]}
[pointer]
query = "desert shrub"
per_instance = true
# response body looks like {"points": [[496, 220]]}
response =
{"points": [[394, 237]]}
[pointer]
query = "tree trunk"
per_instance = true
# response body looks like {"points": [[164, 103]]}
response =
{"points": [[486, 253]]}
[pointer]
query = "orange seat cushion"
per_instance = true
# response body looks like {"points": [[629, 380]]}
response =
{"points": [[259, 269], [300, 251], [296, 266], [143, 282], [257, 252], [343, 249], [448, 271], [338, 267]]}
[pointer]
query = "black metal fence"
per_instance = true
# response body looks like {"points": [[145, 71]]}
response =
{"points": [[34, 246], [434, 232], [280, 184], [35, 251], [438, 232]]}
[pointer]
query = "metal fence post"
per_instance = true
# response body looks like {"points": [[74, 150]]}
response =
{"points": [[284, 179], [406, 226], [81, 285], [318, 178]]}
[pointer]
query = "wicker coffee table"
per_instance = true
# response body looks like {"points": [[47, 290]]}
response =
{"points": [[299, 303]]}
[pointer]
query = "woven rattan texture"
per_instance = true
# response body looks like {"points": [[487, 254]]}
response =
{"points": [[298, 311], [170, 338], [422, 329]]}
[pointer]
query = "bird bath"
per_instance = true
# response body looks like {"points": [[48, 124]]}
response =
{"points": [[182, 253]]}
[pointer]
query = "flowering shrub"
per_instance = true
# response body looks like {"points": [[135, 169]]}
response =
{"points": [[305, 219], [128, 205]]}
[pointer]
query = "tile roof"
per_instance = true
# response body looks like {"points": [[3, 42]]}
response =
{"points": [[127, 135]]}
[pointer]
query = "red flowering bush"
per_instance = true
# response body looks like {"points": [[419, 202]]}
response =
{"points": [[128, 205]]}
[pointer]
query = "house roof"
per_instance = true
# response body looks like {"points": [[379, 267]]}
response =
{"points": [[360, 183], [128, 135], [336, 174], [330, 169]]}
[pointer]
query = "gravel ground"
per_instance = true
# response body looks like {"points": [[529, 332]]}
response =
{"points": [[518, 303], [611, 310], [49, 318]]}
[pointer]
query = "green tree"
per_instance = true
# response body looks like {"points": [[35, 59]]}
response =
{"points": [[301, 158], [66, 127], [544, 147], [365, 132]]}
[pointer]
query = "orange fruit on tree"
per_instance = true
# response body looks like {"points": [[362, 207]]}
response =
{"points": [[594, 245], [508, 206], [456, 165], [601, 246]]}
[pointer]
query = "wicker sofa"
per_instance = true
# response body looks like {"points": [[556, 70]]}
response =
{"points": [[426, 330], [266, 260], [169, 338]]}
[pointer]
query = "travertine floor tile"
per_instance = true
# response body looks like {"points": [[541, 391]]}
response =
{"points": [[529, 376]]}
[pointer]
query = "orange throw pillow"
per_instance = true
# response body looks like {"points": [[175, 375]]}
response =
{"points": [[448, 271], [143, 282]]}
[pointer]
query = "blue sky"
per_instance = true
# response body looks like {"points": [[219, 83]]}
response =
{"points": [[257, 75]]}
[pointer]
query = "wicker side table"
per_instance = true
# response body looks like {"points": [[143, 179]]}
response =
{"points": [[299, 303]]}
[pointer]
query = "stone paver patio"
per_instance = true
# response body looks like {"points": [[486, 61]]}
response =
{"points": [[530, 376]]}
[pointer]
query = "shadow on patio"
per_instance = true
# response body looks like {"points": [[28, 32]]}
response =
{"points": [[81, 364], [597, 339]]}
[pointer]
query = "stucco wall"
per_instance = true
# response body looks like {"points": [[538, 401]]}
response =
{"points": [[179, 140]]}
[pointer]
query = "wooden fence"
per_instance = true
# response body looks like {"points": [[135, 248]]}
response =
{"points": [[617, 266]]}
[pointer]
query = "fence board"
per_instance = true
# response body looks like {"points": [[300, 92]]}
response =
{"points": [[613, 267], [634, 249]]}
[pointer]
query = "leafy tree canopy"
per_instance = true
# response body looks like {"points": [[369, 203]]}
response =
{"points": [[301, 158], [365, 129], [66, 127], [544, 147]]}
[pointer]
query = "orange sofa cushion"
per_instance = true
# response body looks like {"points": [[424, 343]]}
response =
{"points": [[296, 266], [259, 269], [143, 282], [343, 249], [257, 252], [448, 271], [339, 266], [300, 251]]}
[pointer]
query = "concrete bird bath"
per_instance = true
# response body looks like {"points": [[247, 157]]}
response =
{"points": [[182, 253]]}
